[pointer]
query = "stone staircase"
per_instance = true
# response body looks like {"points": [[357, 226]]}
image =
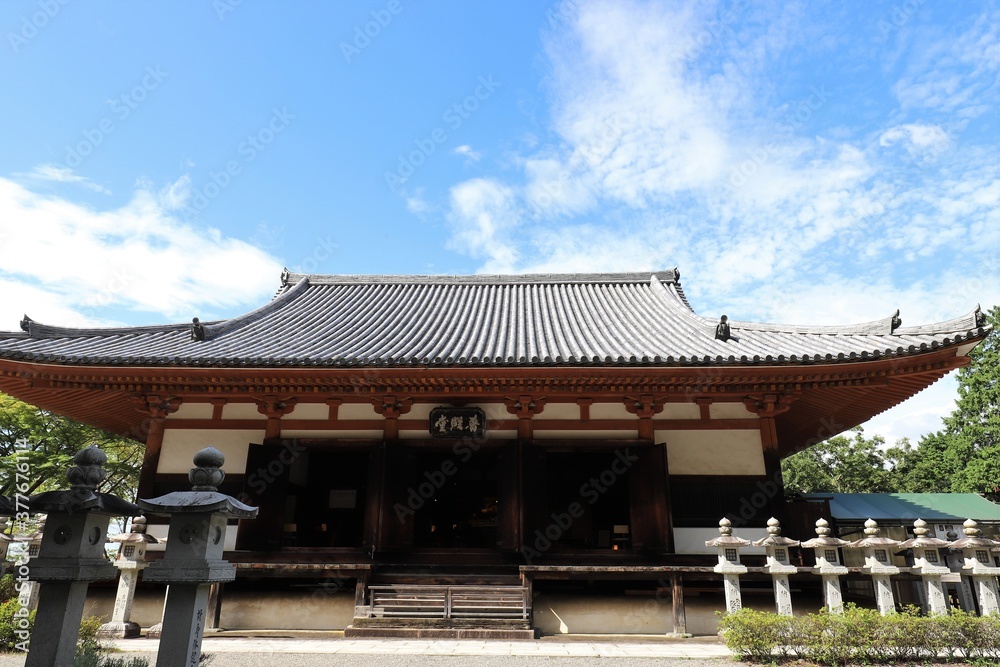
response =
{"points": [[472, 603]]}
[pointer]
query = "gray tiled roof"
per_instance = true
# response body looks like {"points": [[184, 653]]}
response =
{"points": [[630, 319]]}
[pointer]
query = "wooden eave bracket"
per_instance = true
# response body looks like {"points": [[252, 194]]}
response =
{"points": [[275, 408], [155, 405], [391, 407], [645, 406], [524, 406], [769, 405]]}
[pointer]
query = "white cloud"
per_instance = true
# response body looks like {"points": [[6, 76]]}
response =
{"points": [[916, 138], [663, 127], [483, 214], [68, 264], [467, 152], [58, 174]]}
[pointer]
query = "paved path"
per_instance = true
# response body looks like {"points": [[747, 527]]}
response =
{"points": [[242, 651], [463, 647]]}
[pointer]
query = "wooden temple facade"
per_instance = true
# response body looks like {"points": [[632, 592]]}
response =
{"points": [[484, 430]]}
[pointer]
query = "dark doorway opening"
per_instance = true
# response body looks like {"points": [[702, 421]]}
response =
{"points": [[327, 498], [588, 500], [459, 500]]}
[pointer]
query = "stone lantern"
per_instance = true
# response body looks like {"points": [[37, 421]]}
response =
{"points": [[193, 557], [929, 564], [779, 564], [5, 541], [131, 561], [729, 563], [70, 556], [979, 566], [878, 564], [828, 564]]}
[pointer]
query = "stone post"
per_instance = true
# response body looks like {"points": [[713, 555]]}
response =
{"points": [[131, 561], [928, 563], [828, 565], [963, 587], [70, 556], [193, 557], [878, 564], [979, 566], [779, 564], [729, 563]]}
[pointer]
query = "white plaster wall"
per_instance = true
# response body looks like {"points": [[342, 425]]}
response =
{"points": [[730, 411], [193, 411], [180, 446], [241, 411], [713, 452], [357, 411], [244, 609], [679, 411], [310, 411], [609, 411], [560, 411], [643, 614], [692, 540]]}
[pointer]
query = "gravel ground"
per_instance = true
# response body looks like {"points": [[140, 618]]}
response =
{"points": [[397, 660]]}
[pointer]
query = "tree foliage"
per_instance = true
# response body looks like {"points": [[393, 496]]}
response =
{"points": [[842, 464], [48, 443]]}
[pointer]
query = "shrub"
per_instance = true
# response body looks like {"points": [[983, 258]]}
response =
{"points": [[861, 636], [11, 623]]}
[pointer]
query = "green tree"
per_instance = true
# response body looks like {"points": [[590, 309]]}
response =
{"points": [[842, 464], [46, 442], [973, 429]]}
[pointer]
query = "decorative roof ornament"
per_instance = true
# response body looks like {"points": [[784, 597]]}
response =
{"points": [[896, 322], [722, 331], [285, 277], [88, 471], [980, 317], [824, 537], [922, 538], [726, 537], [208, 474], [204, 496], [774, 537], [137, 533], [82, 496], [197, 329], [26, 323]]}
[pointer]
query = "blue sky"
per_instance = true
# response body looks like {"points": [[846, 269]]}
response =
{"points": [[814, 162]]}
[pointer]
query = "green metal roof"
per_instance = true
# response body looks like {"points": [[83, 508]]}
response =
{"points": [[954, 507]]}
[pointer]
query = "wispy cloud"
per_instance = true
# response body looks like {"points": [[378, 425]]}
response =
{"points": [[69, 264], [669, 146], [467, 152], [58, 174]]}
